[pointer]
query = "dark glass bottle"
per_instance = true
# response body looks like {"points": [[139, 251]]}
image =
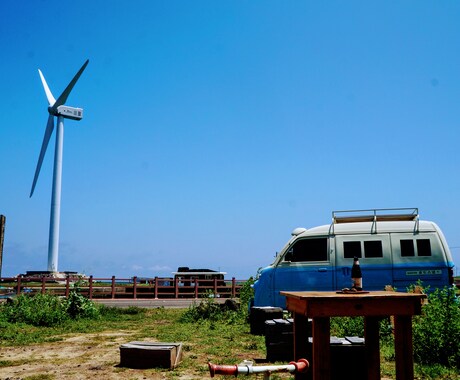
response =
{"points": [[356, 275]]}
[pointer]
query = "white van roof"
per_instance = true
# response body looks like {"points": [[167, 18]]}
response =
{"points": [[371, 227], [373, 221]]}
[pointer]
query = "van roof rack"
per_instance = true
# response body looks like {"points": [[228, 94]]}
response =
{"points": [[376, 215]]}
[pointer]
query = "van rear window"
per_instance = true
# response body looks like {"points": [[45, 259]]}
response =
{"points": [[408, 249], [423, 247]]}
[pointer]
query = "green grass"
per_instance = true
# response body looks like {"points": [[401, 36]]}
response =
{"points": [[203, 341], [40, 377], [20, 334]]}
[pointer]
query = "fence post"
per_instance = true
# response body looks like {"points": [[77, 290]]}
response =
{"points": [[113, 287], [155, 290], [135, 287], [91, 287], [43, 285], [196, 288], [176, 288], [67, 286], [18, 292], [233, 287], [215, 287]]}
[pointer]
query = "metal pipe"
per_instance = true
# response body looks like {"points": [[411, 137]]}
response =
{"points": [[247, 368]]}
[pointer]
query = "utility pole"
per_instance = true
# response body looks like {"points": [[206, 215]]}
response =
{"points": [[2, 234]]}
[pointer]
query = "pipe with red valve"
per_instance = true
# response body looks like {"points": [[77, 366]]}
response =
{"points": [[247, 368]]}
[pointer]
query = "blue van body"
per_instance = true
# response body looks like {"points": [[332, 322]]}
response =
{"points": [[394, 248]]}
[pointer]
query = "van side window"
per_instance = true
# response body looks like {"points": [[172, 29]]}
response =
{"points": [[407, 248], [308, 250], [351, 249], [423, 247], [373, 248]]}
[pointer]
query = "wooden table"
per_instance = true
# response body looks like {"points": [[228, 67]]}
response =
{"points": [[320, 306]]}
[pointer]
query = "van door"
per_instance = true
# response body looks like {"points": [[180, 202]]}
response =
{"points": [[305, 266], [375, 259]]}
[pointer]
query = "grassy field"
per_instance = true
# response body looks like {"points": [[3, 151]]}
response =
{"points": [[86, 348], [218, 342]]}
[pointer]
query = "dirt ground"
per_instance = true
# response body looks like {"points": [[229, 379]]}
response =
{"points": [[87, 356], [84, 356]]}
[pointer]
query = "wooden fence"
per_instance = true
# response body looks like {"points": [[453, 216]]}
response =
{"points": [[123, 288]]}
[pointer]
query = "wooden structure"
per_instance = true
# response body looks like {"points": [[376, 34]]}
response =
{"points": [[321, 306], [125, 288], [143, 355]]}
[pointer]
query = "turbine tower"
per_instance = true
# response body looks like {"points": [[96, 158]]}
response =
{"points": [[61, 111]]}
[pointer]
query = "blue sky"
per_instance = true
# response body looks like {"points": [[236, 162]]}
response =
{"points": [[214, 128]]}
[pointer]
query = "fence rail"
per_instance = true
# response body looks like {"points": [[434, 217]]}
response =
{"points": [[122, 288]]}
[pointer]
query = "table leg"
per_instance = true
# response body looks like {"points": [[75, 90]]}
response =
{"points": [[371, 336], [403, 348], [321, 329], [301, 342]]}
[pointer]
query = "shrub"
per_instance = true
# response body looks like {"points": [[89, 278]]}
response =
{"points": [[78, 306], [354, 326], [209, 310], [246, 294], [39, 310], [48, 310], [347, 326], [437, 330]]}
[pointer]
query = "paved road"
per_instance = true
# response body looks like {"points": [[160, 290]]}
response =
{"points": [[150, 303], [153, 303]]}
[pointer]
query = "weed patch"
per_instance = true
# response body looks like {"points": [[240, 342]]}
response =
{"points": [[437, 330], [40, 377]]}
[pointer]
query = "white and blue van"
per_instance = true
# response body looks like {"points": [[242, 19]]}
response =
{"points": [[394, 248]]}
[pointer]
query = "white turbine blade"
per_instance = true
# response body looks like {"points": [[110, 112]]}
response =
{"points": [[46, 139], [63, 97], [48, 93]]}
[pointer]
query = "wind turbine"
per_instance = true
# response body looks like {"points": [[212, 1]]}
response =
{"points": [[61, 111]]}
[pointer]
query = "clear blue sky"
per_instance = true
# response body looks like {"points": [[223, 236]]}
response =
{"points": [[213, 128]]}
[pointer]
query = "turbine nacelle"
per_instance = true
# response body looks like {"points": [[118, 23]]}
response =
{"points": [[67, 112]]}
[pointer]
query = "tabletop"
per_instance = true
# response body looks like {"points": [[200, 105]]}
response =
{"points": [[372, 303]]}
